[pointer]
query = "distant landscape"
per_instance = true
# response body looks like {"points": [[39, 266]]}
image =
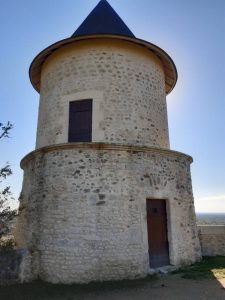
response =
{"points": [[210, 218]]}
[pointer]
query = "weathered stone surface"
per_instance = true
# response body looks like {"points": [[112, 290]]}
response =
{"points": [[126, 83], [212, 238], [83, 205], [84, 215]]}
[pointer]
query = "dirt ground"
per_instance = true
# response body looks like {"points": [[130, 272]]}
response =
{"points": [[168, 287]]}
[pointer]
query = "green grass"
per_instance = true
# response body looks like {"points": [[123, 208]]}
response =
{"points": [[208, 268]]}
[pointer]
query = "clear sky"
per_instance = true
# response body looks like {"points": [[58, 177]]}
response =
{"points": [[191, 32]]}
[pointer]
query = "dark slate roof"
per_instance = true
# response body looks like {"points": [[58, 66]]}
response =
{"points": [[103, 20]]}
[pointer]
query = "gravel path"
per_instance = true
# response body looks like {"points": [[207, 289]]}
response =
{"points": [[171, 287], [168, 288]]}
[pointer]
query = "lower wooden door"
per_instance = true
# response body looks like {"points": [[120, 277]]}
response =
{"points": [[157, 233]]}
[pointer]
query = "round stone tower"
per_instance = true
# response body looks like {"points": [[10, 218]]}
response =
{"points": [[103, 197]]}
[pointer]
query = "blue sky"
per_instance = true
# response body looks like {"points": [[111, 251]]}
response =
{"points": [[191, 32]]}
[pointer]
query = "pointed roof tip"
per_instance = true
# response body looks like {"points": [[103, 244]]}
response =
{"points": [[103, 22], [103, 19]]}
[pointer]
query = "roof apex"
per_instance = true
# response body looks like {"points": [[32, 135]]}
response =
{"points": [[103, 19]]}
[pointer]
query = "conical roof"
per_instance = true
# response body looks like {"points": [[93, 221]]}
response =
{"points": [[103, 20], [104, 23]]}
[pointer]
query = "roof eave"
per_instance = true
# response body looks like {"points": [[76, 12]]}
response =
{"points": [[170, 70]]}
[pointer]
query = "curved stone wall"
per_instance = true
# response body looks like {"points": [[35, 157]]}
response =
{"points": [[83, 210], [126, 83]]}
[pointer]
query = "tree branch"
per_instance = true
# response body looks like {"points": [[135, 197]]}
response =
{"points": [[5, 129]]}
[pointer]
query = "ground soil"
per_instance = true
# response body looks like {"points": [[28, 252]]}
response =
{"points": [[168, 287]]}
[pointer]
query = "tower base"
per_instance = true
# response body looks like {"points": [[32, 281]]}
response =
{"points": [[83, 213]]}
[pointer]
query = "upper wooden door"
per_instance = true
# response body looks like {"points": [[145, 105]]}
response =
{"points": [[80, 121], [157, 233]]}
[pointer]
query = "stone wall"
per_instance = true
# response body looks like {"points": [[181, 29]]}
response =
{"points": [[126, 83], [83, 210], [212, 238]]}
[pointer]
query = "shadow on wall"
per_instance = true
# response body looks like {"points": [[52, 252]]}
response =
{"points": [[10, 262]]}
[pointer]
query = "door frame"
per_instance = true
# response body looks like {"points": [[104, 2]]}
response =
{"points": [[97, 114], [169, 227]]}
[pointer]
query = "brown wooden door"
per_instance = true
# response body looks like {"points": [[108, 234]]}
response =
{"points": [[80, 121], [157, 233]]}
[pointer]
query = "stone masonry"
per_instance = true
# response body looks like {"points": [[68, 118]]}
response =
{"points": [[83, 210], [127, 86], [212, 238]]}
